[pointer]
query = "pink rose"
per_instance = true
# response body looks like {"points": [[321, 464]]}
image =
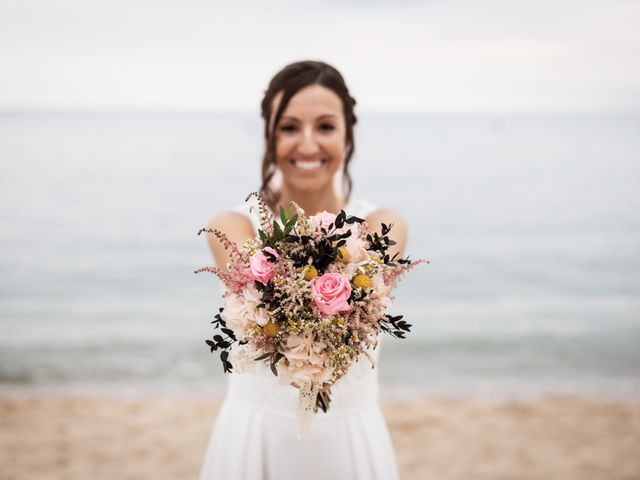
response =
{"points": [[324, 219], [260, 268], [330, 293]]}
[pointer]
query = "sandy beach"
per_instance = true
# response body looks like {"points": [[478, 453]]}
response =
{"points": [[73, 437]]}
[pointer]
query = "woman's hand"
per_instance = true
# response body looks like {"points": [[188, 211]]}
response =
{"points": [[236, 226]]}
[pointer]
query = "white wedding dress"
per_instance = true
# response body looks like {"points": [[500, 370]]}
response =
{"points": [[254, 434]]}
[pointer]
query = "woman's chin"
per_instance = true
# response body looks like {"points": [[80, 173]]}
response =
{"points": [[307, 183]]}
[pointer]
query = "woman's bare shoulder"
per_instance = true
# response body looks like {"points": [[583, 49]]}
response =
{"points": [[397, 222], [387, 216], [235, 225], [230, 219]]}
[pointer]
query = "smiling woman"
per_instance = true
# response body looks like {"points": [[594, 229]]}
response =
{"points": [[310, 141], [309, 119]]}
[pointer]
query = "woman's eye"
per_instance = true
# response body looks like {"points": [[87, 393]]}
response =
{"points": [[288, 128], [326, 127]]}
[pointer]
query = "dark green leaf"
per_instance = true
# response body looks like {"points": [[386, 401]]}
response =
{"points": [[278, 234]]}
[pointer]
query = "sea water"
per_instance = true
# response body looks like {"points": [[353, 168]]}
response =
{"points": [[530, 223]]}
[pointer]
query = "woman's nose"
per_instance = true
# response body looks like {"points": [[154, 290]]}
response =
{"points": [[308, 144]]}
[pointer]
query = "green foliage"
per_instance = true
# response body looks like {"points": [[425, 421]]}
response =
{"points": [[276, 358], [281, 229]]}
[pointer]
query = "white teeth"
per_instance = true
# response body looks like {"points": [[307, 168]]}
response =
{"points": [[308, 165]]}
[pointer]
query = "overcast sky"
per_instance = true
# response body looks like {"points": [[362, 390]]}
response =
{"points": [[475, 55]]}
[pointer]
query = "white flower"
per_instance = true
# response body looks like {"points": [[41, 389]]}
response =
{"points": [[380, 291], [241, 312], [306, 362], [242, 357], [356, 247], [253, 299], [350, 270]]}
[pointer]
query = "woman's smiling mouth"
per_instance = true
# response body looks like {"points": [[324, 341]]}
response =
{"points": [[307, 165]]}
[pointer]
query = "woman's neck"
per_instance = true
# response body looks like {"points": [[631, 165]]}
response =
{"points": [[311, 202]]}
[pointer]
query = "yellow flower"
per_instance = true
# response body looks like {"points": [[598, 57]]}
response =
{"points": [[310, 272], [343, 256], [271, 329], [361, 281]]}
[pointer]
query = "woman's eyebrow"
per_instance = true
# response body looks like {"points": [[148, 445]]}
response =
{"points": [[326, 115]]}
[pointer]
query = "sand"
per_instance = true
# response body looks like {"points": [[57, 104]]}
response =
{"points": [[72, 437]]}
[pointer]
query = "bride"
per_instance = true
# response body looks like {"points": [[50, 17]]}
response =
{"points": [[309, 120]]}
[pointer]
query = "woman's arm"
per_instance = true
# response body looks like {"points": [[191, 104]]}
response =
{"points": [[236, 226], [398, 232]]}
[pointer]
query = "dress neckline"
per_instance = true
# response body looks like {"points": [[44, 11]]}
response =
{"points": [[355, 206], [346, 208]]}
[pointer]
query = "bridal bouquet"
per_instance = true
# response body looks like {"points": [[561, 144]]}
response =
{"points": [[307, 296]]}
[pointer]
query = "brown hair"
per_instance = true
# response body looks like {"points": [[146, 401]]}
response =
{"points": [[290, 80]]}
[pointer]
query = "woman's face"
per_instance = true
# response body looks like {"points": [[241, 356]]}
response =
{"points": [[310, 138]]}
